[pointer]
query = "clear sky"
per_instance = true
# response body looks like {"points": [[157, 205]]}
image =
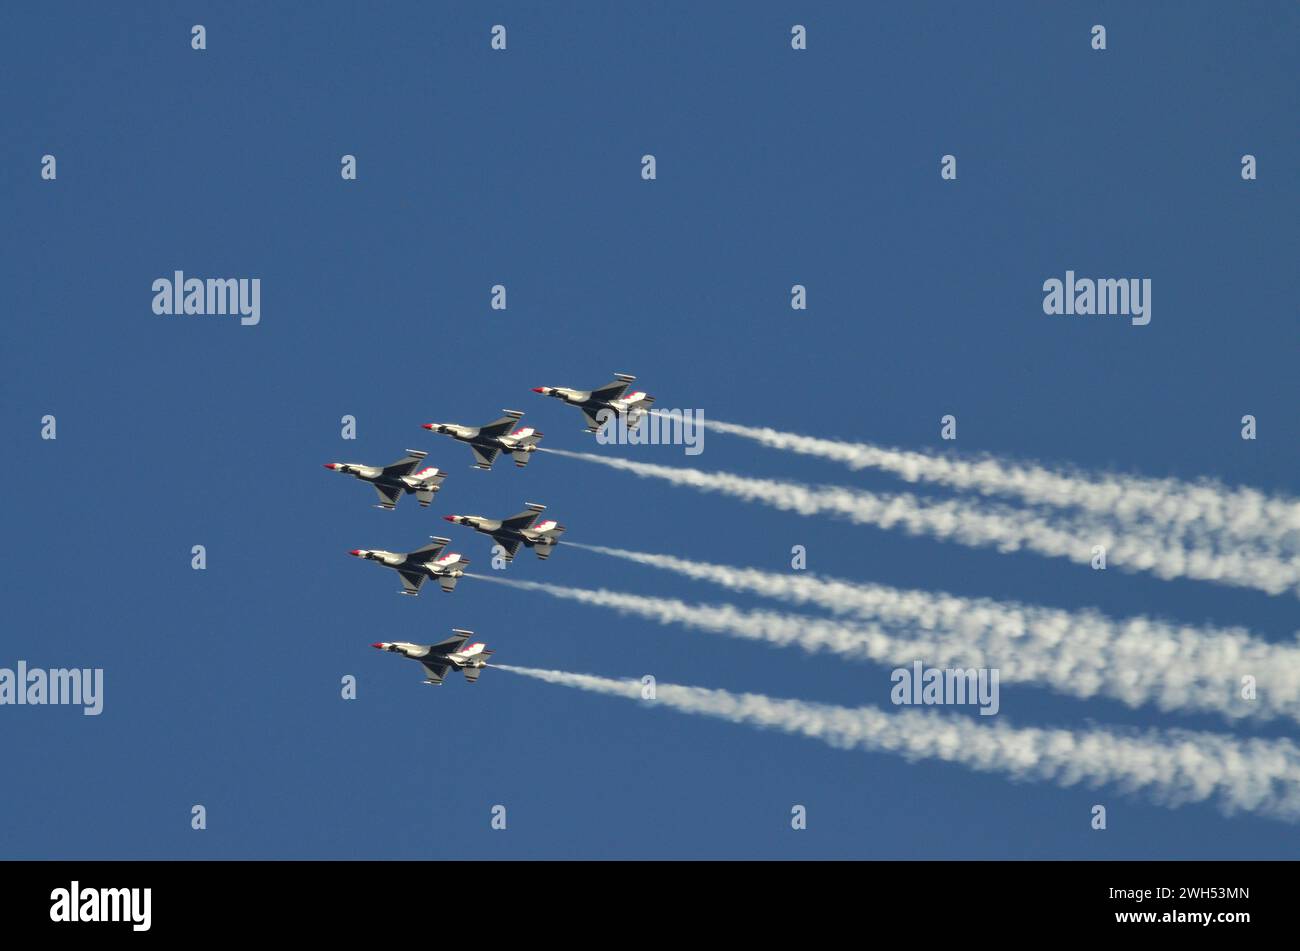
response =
{"points": [[775, 167]]}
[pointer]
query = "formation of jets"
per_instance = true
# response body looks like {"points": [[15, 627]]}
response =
{"points": [[527, 529]]}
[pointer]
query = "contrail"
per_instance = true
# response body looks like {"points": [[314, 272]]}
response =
{"points": [[1207, 512], [982, 524], [1172, 767], [812, 634], [1136, 667], [1083, 653]]}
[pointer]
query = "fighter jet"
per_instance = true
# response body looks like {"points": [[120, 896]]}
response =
{"points": [[488, 440], [451, 654], [415, 567], [517, 530], [612, 397], [393, 481]]}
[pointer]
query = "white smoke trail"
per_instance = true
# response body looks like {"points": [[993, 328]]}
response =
{"points": [[1172, 767], [982, 524], [1209, 513], [1083, 653], [1136, 667]]}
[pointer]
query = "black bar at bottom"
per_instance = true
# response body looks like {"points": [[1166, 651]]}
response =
{"points": [[1222, 900]]}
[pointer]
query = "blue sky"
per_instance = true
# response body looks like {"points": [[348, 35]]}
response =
{"points": [[775, 167]]}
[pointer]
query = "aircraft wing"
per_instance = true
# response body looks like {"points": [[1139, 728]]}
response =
{"points": [[511, 546], [435, 669], [450, 645], [483, 458], [406, 465], [523, 519], [498, 427], [448, 582], [611, 391], [388, 496], [593, 423], [428, 552], [471, 674], [411, 581]]}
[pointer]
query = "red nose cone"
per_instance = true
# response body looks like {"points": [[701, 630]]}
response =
{"points": [[449, 518], [539, 389], [380, 646], [427, 426], [355, 551]]}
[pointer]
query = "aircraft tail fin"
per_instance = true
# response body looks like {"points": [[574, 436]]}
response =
{"points": [[428, 482], [528, 438], [548, 539], [432, 476]]}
